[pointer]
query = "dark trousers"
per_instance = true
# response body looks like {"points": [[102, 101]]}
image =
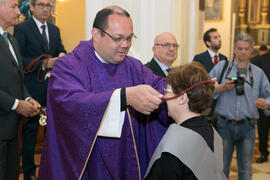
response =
{"points": [[28, 149], [263, 132], [9, 159]]}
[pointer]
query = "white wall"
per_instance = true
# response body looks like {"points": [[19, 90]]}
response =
{"points": [[150, 17], [180, 17]]}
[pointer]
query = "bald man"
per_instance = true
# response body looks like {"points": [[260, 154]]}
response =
{"points": [[165, 51]]}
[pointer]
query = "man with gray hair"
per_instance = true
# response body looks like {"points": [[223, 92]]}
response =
{"points": [[165, 51], [243, 89], [15, 101]]}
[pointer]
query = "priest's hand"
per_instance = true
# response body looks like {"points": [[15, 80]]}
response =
{"points": [[26, 109], [143, 98]]}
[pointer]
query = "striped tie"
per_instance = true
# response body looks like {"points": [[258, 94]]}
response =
{"points": [[44, 36]]}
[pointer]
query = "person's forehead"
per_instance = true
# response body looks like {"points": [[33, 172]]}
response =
{"points": [[11, 2], [120, 19], [241, 43], [214, 34], [166, 38], [119, 22], [43, 1]]}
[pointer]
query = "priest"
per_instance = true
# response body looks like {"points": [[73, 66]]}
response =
{"points": [[104, 108]]}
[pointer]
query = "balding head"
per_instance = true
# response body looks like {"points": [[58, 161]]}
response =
{"points": [[101, 19], [117, 9], [165, 48]]}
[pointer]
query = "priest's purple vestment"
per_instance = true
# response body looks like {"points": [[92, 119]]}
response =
{"points": [[79, 93]]}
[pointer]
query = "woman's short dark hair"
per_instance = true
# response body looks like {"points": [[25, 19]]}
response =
{"points": [[182, 77]]}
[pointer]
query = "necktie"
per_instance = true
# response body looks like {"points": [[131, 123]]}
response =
{"points": [[44, 36], [5, 36], [215, 60], [168, 70]]}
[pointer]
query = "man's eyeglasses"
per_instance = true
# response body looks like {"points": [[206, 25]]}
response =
{"points": [[186, 90], [119, 38], [168, 45], [42, 5]]}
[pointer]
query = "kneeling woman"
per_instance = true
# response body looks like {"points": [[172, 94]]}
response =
{"points": [[191, 148]]}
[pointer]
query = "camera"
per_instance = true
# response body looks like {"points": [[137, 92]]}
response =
{"points": [[239, 81], [239, 85]]}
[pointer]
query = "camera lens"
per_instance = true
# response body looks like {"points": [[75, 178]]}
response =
{"points": [[239, 86], [239, 89]]}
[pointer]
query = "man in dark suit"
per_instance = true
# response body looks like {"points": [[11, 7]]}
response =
{"points": [[210, 57], [36, 37], [15, 101], [263, 61], [165, 51]]}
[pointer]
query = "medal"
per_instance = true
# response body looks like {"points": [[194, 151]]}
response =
{"points": [[43, 117]]}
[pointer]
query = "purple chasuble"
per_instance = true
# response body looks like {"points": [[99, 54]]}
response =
{"points": [[79, 91]]}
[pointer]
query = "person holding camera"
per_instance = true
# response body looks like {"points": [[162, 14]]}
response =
{"points": [[243, 89]]}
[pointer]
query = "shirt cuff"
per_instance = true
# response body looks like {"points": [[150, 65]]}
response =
{"points": [[123, 99], [16, 103], [26, 99], [113, 119]]}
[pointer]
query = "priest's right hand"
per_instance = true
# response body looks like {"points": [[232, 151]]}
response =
{"points": [[143, 98], [27, 109]]}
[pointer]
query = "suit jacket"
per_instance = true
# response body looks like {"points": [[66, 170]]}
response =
{"points": [[11, 87], [31, 46], [264, 63], [206, 60], [155, 68]]}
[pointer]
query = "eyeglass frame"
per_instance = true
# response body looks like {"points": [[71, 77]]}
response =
{"points": [[168, 45], [121, 39], [186, 90], [43, 5]]}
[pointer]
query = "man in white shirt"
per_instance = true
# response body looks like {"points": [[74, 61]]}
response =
{"points": [[210, 57], [36, 37], [165, 51]]}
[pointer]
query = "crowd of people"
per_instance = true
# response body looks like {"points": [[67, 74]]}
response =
{"points": [[111, 117]]}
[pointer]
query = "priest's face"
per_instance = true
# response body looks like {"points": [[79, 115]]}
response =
{"points": [[114, 44]]}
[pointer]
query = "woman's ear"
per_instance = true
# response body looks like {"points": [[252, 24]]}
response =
{"points": [[183, 99]]}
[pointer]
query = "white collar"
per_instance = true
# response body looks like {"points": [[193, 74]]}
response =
{"points": [[2, 30], [38, 23], [212, 54], [100, 58], [161, 65]]}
